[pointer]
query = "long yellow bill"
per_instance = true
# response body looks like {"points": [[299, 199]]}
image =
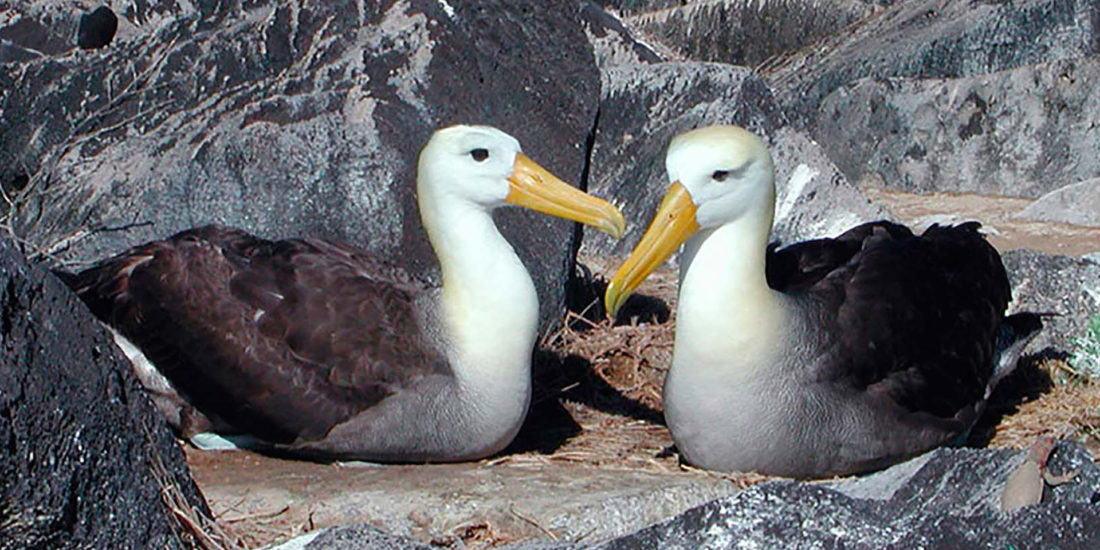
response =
{"points": [[534, 187], [673, 224]]}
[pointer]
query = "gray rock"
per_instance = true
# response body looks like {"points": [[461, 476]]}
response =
{"points": [[949, 500], [40, 28], [359, 537], [542, 545], [366, 537], [813, 199], [977, 475], [296, 118], [85, 457], [612, 43], [644, 107], [1067, 287], [299, 542], [745, 32], [635, 6], [433, 502], [1076, 203], [30, 30], [934, 39], [1021, 132]]}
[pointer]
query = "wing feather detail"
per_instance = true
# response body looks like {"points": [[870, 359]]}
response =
{"points": [[915, 318], [281, 339]]}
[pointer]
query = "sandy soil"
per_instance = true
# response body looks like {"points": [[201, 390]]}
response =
{"points": [[999, 216]]}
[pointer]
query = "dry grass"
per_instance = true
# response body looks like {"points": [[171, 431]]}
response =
{"points": [[195, 527], [257, 530], [1067, 408], [632, 358], [633, 353]]}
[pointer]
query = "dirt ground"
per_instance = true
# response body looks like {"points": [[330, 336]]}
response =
{"points": [[597, 404], [999, 216]]}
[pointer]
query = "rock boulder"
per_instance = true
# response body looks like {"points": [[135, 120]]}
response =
{"points": [[645, 106], [87, 462], [1022, 132], [934, 39], [296, 118], [1077, 203], [1068, 288], [744, 32], [948, 498]]}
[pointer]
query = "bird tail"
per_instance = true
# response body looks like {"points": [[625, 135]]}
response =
{"points": [[85, 284], [1017, 331], [71, 280]]}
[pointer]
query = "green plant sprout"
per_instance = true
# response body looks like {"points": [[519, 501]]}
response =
{"points": [[1086, 354]]}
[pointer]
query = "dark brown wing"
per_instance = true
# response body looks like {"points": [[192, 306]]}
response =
{"points": [[802, 265], [916, 318], [282, 339]]}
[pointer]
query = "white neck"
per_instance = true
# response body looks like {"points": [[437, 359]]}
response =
{"points": [[726, 309], [488, 302]]}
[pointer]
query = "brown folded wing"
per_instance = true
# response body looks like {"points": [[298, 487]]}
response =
{"points": [[282, 339], [916, 319]]}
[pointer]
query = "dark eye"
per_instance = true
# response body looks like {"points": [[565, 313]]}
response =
{"points": [[720, 175], [479, 154]]}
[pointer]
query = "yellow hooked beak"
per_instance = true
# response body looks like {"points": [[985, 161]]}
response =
{"points": [[532, 186], [673, 224]]}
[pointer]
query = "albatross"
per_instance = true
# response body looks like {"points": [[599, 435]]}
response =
{"points": [[827, 357], [318, 349]]}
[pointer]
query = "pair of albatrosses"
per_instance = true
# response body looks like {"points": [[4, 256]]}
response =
{"points": [[826, 357]]}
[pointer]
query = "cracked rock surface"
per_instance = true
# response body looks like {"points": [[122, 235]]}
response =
{"points": [[948, 498], [304, 118], [287, 119], [85, 457]]}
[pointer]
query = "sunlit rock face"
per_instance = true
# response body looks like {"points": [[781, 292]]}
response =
{"points": [[286, 119]]}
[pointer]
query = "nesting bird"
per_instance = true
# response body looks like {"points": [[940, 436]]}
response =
{"points": [[318, 349], [826, 357]]}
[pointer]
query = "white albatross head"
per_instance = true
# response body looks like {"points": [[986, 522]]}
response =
{"points": [[485, 167], [720, 175]]}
